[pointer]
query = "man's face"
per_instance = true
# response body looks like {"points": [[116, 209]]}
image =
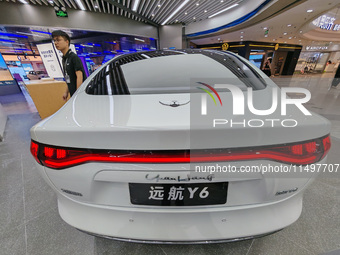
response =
{"points": [[60, 43]]}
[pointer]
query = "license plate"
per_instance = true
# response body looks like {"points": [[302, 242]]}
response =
{"points": [[178, 194]]}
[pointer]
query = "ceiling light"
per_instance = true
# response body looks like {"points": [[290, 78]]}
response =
{"points": [[141, 40], [290, 38], [80, 4], [219, 39], [289, 25], [226, 9], [310, 10], [265, 28], [159, 6], [176, 20], [194, 17], [274, 39], [23, 1], [300, 31], [205, 11], [185, 13], [242, 32], [30, 34], [135, 5], [12, 35], [51, 2], [41, 32], [285, 33], [152, 14], [8, 41], [241, 39], [266, 36], [299, 40], [285, 42], [241, 36], [222, 1], [96, 6], [197, 4]]}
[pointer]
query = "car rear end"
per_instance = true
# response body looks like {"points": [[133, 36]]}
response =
{"points": [[128, 164]]}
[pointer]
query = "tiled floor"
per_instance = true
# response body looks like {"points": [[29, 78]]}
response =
{"points": [[30, 224]]}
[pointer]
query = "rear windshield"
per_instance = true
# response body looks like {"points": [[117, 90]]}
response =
{"points": [[177, 73]]}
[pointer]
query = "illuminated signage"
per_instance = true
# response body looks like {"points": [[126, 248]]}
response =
{"points": [[316, 47], [225, 46], [61, 12], [326, 22]]}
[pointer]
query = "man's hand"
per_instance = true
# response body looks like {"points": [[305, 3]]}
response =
{"points": [[65, 96]]}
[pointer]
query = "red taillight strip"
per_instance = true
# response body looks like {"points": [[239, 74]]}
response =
{"points": [[35, 150], [298, 153]]}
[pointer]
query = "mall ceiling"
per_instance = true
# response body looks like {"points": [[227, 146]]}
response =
{"points": [[287, 21], [294, 26], [156, 12]]}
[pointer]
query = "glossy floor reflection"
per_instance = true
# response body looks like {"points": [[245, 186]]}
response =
{"points": [[30, 223]]}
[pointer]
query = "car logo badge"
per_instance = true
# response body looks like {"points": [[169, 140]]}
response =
{"points": [[174, 103]]}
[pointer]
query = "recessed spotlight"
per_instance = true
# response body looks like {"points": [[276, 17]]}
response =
{"points": [[219, 39], [266, 36], [274, 39], [290, 38], [300, 31], [330, 42], [153, 15], [205, 11], [185, 13], [285, 42], [176, 20], [241, 40], [299, 40], [265, 28], [241, 36], [285, 33], [289, 25], [159, 6], [194, 17], [242, 32], [310, 10], [96, 6], [222, 1], [197, 4]]}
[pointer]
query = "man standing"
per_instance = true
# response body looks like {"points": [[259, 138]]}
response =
{"points": [[72, 67]]}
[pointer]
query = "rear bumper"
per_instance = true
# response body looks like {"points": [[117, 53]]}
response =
{"points": [[166, 225]]}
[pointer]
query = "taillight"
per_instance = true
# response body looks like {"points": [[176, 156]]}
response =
{"points": [[301, 153], [34, 151]]}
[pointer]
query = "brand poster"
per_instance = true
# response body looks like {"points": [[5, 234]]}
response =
{"points": [[5, 76], [50, 59]]}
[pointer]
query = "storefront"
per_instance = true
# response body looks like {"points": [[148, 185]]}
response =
{"points": [[283, 57], [318, 59]]}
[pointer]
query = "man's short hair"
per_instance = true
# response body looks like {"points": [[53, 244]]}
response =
{"points": [[61, 33]]}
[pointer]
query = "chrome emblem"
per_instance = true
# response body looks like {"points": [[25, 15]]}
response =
{"points": [[174, 103]]}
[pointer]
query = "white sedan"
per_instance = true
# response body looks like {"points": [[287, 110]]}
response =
{"points": [[153, 148]]}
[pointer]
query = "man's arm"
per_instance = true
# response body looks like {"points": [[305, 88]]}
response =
{"points": [[79, 75], [65, 96]]}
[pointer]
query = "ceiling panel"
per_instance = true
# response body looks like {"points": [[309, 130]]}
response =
{"points": [[152, 11]]}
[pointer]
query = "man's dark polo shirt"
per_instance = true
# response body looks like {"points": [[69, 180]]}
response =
{"points": [[72, 63]]}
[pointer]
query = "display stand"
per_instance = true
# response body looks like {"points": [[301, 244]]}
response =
{"points": [[46, 95]]}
